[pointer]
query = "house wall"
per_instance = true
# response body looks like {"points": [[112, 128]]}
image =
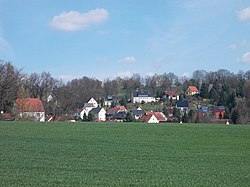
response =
{"points": [[145, 99], [39, 116], [217, 115], [153, 119], [93, 101], [102, 115]]}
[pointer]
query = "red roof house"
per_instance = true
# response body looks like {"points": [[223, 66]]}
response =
{"points": [[31, 107], [150, 118], [154, 117], [192, 90]]}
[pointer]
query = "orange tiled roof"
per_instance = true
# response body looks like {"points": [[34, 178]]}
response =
{"points": [[146, 118], [193, 89], [116, 109], [30, 105], [159, 115]]}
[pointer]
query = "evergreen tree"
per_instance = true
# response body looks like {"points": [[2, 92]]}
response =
{"points": [[204, 91], [176, 113], [213, 95], [185, 118], [129, 117], [227, 113], [123, 101], [85, 117], [165, 110], [235, 116], [91, 117]]}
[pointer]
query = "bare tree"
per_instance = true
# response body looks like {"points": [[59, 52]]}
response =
{"points": [[10, 78]]}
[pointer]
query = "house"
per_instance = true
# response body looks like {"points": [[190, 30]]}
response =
{"points": [[192, 90], [137, 113], [92, 102], [31, 107], [6, 116], [112, 113], [171, 95], [142, 96], [109, 100], [149, 118], [88, 107], [159, 116], [218, 111], [183, 106], [99, 114]]}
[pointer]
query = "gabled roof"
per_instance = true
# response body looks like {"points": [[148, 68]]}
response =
{"points": [[110, 98], [137, 93], [88, 105], [119, 115], [114, 110], [30, 105], [182, 104], [159, 115], [146, 118], [193, 89], [137, 112], [96, 110], [171, 93]]}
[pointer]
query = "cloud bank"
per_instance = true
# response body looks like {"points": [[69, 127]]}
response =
{"points": [[244, 14], [5, 47], [73, 20], [127, 59], [245, 58]]}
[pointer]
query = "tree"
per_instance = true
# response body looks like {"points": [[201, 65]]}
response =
{"points": [[91, 117], [85, 117], [204, 91], [185, 118], [176, 113], [10, 80], [235, 116], [165, 110], [129, 117]]}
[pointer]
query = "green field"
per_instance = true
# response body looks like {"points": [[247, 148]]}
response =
{"points": [[123, 154]]}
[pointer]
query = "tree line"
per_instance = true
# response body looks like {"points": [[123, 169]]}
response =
{"points": [[220, 87]]}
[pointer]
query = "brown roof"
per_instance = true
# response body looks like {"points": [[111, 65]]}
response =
{"points": [[171, 93], [30, 105], [193, 89], [159, 115], [115, 110], [146, 118]]}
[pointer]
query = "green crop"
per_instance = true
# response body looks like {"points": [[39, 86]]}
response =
{"points": [[123, 154]]}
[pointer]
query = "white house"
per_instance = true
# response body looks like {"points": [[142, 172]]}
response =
{"points": [[92, 101], [149, 119], [99, 113], [142, 96], [88, 107], [108, 100], [31, 107]]}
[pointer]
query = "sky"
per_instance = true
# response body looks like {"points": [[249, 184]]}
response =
{"points": [[104, 39]]}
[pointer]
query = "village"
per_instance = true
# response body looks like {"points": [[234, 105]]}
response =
{"points": [[143, 107]]}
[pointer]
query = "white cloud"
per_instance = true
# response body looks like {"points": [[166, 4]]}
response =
{"points": [[237, 45], [245, 58], [5, 47], [127, 59], [124, 74], [244, 14], [232, 46], [73, 20]]}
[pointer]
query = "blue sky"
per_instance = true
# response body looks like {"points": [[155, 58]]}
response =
{"points": [[108, 38]]}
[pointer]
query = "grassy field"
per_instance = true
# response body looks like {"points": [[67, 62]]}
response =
{"points": [[123, 154]]}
